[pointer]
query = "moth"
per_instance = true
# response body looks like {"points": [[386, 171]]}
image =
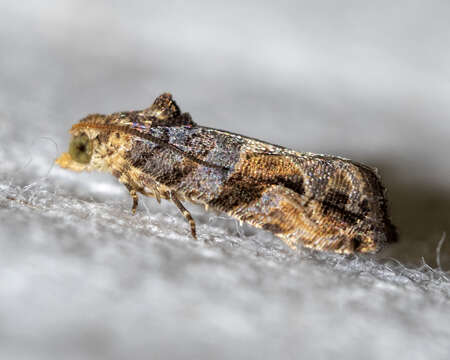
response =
{"points": [[318, 201]]}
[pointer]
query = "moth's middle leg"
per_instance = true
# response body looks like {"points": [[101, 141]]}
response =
{"points": [[187, 215], [133, 190]]}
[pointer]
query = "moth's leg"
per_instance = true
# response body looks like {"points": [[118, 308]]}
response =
{"points": [[185, 213], [155, 192], [134, 196], [150, 188]]}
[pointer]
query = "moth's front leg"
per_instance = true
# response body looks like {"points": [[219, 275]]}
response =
{"points": [[134, 196], [187, 215]]}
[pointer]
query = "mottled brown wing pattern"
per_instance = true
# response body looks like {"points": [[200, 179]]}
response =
{"points": [[326, 204], [322, 202]]}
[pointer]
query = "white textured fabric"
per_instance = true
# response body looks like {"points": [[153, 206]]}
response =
{"points": [[81, 278]]}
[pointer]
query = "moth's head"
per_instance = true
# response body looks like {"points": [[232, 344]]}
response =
{"points": [[82, 147]]}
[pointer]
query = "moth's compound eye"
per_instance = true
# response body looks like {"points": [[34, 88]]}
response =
{"points": [[80, 149]]}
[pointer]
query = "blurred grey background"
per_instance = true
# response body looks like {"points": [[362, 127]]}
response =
{"points": [[80, 276]]}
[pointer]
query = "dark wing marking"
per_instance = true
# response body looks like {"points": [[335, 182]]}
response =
{"points": [[182, 120], [170, 146]]}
